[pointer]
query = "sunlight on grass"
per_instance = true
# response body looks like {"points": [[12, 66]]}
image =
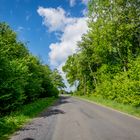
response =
{"points": [[118, 106], [15, 120]]}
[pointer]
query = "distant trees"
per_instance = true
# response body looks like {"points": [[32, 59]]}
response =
{"points": [[23, 78], [109, 53], [57, 79]]}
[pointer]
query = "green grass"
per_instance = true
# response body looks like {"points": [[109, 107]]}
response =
{"points": [[135, 111], [9, 124]]}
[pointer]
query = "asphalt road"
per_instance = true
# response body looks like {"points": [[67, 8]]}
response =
{"points": [[74, 119]]}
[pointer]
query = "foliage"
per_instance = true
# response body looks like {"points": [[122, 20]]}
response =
{"points": [[57, 79], [107, 63], [14, 121], [23, 78]]}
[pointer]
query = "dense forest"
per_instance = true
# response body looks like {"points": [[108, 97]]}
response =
{"points": [[23, 77], [107, 63]]}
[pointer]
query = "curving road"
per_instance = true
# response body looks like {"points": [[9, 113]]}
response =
{"points": [[74, 119]]}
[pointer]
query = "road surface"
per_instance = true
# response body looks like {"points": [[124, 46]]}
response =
{"points": [[74, 119]]}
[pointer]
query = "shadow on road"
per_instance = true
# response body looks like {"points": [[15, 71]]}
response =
{"points": [[54, 110], [62, 100], [26, 129], [28, 139], [51, 112]]}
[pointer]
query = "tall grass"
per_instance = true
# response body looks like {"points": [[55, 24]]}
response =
{"points": [[14, 121], [129, 109]]}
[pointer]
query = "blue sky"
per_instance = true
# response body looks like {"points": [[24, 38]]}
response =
{"points": [[51, 28], [23, 17]]}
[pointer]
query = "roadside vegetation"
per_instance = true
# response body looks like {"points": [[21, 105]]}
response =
{"points": [[107, 64], [27, 85], [129, 109], [23, 77], [15, 120]]}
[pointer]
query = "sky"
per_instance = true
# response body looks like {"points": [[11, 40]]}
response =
{"points": [[50, 28]]}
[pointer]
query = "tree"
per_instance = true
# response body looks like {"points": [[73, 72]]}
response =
{"points": [[13, 71], [108, 51], [57, 79], [23, 78]]}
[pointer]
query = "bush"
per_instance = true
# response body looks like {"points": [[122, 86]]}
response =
{"points": [[124, 87], [23, 78]]}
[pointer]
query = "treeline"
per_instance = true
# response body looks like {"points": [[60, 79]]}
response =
{"points": [[107, 64], [23, 78]]}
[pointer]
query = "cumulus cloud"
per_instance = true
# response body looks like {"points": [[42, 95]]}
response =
{"points": [[71, 28], [68, 42], [55, 19]]}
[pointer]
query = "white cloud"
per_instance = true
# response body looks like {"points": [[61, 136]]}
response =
{"points": [[68, 42], [71, 28], [55, 19]]}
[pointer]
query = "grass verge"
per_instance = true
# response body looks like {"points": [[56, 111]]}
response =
{"points": [[9, 124], [135, 111]]}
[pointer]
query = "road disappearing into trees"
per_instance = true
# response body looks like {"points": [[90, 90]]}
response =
{"points": [[74, 119]]}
